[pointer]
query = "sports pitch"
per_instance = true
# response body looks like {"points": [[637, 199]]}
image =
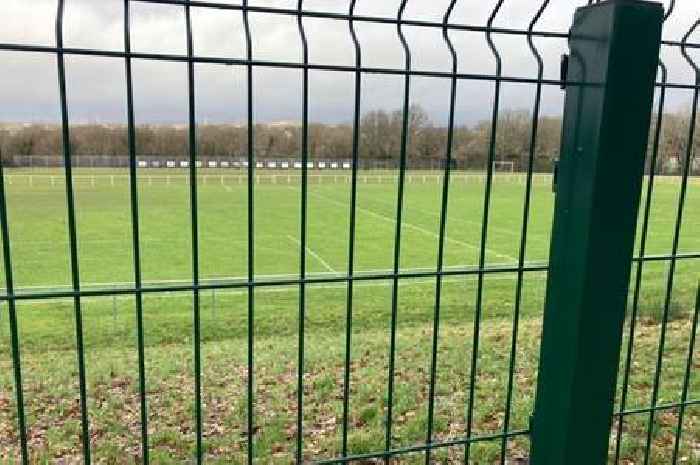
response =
{"points": [[41, 262], [37, 212]]}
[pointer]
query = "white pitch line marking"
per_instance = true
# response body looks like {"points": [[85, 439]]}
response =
{"points": [[417, 228], [310, 251], [461, 220]]}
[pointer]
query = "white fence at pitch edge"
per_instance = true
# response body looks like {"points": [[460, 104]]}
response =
{"points": [[82, 180], [113, 180]]}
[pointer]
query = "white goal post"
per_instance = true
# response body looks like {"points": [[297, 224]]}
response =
{"points": [[503, 166]]}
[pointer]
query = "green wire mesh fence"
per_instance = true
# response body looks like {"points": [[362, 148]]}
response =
{"points": [[350, 276]]}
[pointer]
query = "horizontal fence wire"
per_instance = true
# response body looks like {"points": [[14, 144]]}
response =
{"points": [[321, 67], [309, 66], [395, 276], [157, 287]]}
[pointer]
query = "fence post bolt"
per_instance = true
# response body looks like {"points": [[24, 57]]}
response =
{"points": [[609, 95]]}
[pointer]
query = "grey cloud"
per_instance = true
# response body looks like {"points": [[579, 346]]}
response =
{"points": [[96, 85]]}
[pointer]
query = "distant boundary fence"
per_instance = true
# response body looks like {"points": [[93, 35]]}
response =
{"points": [[279, 178], [165, 161], [152, 177], [541, 165]]}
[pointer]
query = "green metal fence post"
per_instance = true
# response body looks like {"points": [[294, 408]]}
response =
{"points": [[614, 54]]}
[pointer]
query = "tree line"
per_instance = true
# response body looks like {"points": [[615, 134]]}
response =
{"points": [[380, 139]]}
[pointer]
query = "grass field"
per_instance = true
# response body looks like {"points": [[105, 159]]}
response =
{"points": [[37, 213]]}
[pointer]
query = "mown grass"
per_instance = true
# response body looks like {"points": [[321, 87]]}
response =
{"points": [[39, 234], [51, 389], [47, 327]]}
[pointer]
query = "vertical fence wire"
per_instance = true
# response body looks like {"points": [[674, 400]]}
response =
{"points": [[397, 235], [686, 379], [192, 143], [484, 229], [352, 229], [12, 313], [302, 235], [441, 234], [72, 234], [642, 252], [687, 169], [134, 201], [250, 414], [640, 264], [523, 233], [674, 250]]}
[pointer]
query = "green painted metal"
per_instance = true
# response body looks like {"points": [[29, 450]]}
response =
{"points": [[135, 235], [72, 235], [610, 79], [614, 53]]}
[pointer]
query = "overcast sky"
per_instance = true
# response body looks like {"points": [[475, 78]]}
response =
{"points": [[96, 86]]}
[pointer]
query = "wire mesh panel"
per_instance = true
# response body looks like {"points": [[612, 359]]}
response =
{"points": [[293, 307]]}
